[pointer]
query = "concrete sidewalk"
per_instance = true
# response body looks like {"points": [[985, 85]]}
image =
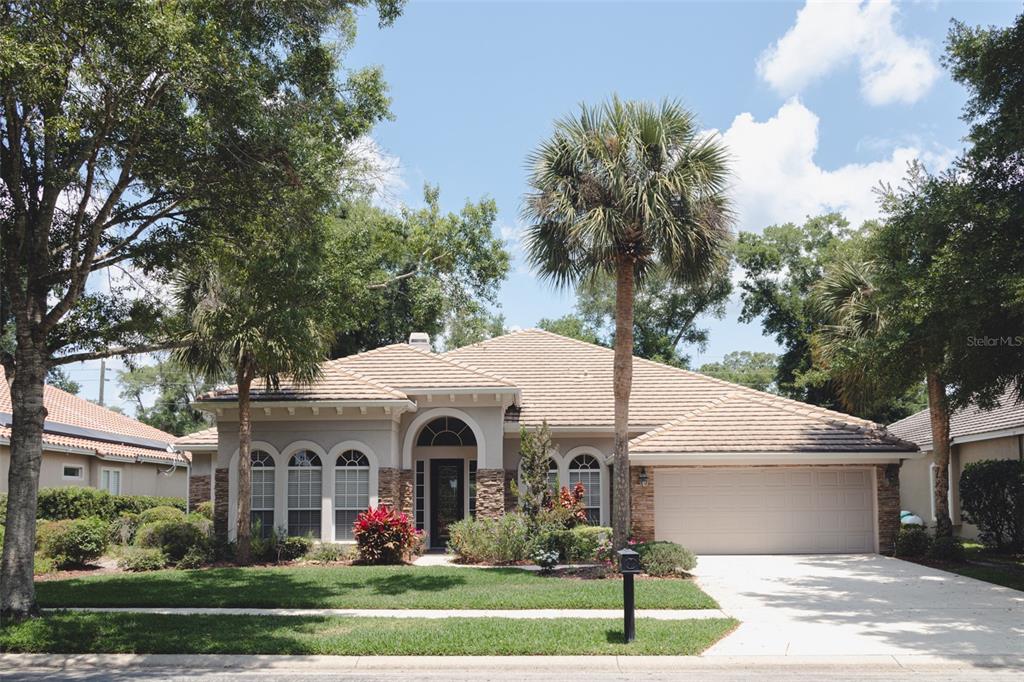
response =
{"points": [[654, 614]]}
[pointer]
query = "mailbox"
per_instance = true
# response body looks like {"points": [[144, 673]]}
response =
{"points": [[629, 562]]}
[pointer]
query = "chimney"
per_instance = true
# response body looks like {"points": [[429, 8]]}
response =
{"points": [[420, 341]]}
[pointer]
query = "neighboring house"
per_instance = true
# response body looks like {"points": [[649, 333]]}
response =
{"points": [[88, 445], [717, 467], [975, 435]]}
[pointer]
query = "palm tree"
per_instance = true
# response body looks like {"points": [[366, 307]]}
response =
{"points": [[848, 296], [623, 189], [254, 313]]}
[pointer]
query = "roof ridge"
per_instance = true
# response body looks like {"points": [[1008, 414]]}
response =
{"points": [[464, 365], [373, 382], [686, 416]]}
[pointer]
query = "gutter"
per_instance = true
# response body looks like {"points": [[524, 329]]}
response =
{"points": [[768, 458]]}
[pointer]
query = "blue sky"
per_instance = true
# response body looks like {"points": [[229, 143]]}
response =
{"points": [[817, 104]]}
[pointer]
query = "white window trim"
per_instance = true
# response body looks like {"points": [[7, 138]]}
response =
{"points": [[120, 479], [273, 469], [334, 496], [323, 498], [563, 476], [328, 483], [280, 487], [81, 472]]}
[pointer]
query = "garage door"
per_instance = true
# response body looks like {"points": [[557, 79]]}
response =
{"points": [[765, 510]]}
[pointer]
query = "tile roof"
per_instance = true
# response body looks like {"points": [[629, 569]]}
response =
{"points": [[335, 383], [966, 422], [93, 427], [569, 383], [196, 439], [384, 373]]}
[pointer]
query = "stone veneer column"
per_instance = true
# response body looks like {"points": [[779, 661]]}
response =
{"points": [[511, 503], [405, 491], [641, 503], [388, 487], [887, 477], [490, 493], [220, 504], [198, 491]]}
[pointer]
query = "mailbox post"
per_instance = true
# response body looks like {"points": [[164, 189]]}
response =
{"points": [[629, 565]]}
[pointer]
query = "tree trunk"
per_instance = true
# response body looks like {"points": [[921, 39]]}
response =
{"points": [[938, 412], [244, 377], [623, 382], [17, 590]]}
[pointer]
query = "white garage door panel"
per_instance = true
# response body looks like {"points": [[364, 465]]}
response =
{"points": [[765, 510]]}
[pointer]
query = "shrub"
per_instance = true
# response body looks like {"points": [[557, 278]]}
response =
{"points": [[587, 539], [174, 538], [74, 542], [42, 565], [384, 536], [992, 498], [503, 540], [142, 559], [558, 540], [1, 536], [205, 509], [292, 548], [661, 558], [912, 542], [75, 502], [948, 550], [325, 553], [202, 523], [547, 559], [3, 508], [195, 557], [567, 510], [122, 529], [162, 513]]}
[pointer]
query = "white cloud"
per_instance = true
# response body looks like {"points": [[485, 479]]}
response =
{"points": [[376, 172], [828, 35], [778, 180]]}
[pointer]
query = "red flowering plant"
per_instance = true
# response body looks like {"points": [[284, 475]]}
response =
{"points": [[568, 509], [385, 536]]}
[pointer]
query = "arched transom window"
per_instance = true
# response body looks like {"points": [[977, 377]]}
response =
{"points": [[262, 507], [351, 491], [446, 431], [304, 490], [586, 469], [552, 475]]}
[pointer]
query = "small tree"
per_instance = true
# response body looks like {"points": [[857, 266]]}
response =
{"points": [[992, 498], [535, 451]]}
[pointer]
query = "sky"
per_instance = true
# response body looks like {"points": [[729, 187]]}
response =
{"points": [[818, 104]]}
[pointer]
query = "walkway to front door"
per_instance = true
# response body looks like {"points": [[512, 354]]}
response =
{"points": [[446, 498]]}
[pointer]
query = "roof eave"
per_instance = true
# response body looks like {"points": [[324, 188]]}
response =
{"points": [[769, 458]]}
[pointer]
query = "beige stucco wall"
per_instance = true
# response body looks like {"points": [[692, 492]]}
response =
{"points": [[915, 483], [137, 478]]}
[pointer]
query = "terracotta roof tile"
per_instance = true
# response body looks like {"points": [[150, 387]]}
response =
{"points": [[205, 437], [63, 408], [966, 422]]}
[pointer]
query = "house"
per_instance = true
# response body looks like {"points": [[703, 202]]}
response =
{"points": [[975, 434], [85, 444], [717, 467]]}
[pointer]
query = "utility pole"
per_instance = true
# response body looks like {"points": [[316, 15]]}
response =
{"points": [[103, 378]]}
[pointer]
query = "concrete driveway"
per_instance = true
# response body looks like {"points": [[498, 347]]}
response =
{"points": [[856, 605]]}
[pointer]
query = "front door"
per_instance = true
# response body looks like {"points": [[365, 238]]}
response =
{"points": [[446, 498]]}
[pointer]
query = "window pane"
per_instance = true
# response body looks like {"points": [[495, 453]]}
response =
{"points": [[264, 521], [343, 522], [303, 523]]}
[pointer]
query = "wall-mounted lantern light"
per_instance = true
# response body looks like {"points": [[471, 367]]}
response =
{"points": [[643, 477]]}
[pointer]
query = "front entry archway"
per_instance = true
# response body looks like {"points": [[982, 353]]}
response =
{"points": [[445, 457]]}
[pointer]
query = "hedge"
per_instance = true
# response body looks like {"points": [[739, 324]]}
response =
{"points": [[76, 502], [992, 498]]}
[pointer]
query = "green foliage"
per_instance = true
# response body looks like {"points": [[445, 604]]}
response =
{"points": [[161, 513], [74, 502], [176, 387], [137, 559], [174, 537], [293, 547], [505, 540], [947, 549], [329, 552], [535, 452], [573, 326], [205, 509], [197, 556], [418, 269], [122, 529], [661, 558], [42, 565], [747, 368], [59, 378], [912, 542], [546, 558], [992, 498], [74, 542], [587, 540]]}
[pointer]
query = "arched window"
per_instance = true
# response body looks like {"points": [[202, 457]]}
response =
{"points": [[586, 469], [304, 487], [262, 509], [351, 491], [449, 431]]}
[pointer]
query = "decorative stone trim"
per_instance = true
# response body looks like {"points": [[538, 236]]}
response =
{"points": [[490, 493], [389, 483], [405, 491], [220, 504], [198, 491], [641, 503], [887, 477]]}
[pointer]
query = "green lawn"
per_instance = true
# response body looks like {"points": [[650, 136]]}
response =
{"points": [[77, 632], [1000, 569], [365, 587]]}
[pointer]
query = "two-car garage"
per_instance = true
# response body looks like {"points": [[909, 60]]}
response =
{"points": [[766, 510]]}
